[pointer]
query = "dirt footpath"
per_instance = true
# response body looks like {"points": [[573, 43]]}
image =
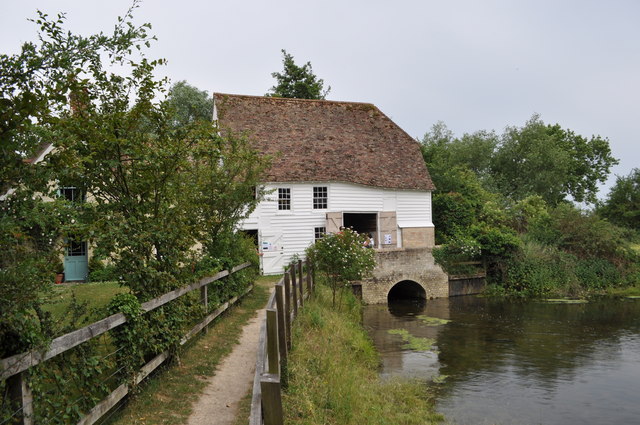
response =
{"points": [[218, 404]]}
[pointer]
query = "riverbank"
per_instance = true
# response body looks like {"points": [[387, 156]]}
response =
{"points": [[333, 372]]}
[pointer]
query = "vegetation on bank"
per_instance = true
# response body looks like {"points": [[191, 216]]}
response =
{"points": [[507, 202], [333, 372]]}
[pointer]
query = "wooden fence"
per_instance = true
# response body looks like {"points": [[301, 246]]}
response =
{"points": [[14, 369], [275, 343]]}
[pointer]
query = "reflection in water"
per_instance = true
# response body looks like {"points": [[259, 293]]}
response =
{"points": [[520, 362]]}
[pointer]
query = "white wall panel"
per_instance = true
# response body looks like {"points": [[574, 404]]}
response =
{"points": [[297, 225], [414, 209]]}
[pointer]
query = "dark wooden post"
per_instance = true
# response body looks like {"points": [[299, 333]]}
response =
{"points": [[271, 399], [204, 299], [287, 307], [272, 342], [282, 331], [294, 286], [301, 283], [309, 277], [21, 398]]}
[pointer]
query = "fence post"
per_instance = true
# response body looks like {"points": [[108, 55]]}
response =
{"points": [[21, 397], [301, 283], [309, 277], [271, 400], [282, 331], [204, 299], [272, 341], [294, 289], [287, 307]]}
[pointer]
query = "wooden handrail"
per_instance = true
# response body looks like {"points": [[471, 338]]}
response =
{"points": [[13, 367], [274, 342]]}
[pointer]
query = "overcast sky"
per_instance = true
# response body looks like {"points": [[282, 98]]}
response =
{"points": [[472, 64]]}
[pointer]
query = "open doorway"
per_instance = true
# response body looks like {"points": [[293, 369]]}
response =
{"points": [[362, 223], [253, 234]]}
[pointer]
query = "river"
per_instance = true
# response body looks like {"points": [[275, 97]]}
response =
{"points": [[509, 362]]}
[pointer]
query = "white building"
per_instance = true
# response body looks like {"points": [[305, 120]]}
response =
{"points": [[334, 164]]}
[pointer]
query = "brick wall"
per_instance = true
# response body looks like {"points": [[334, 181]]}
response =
{"points": [[418, 237], [396, 265]]}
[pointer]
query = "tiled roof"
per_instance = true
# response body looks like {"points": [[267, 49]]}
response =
{"points": [[325, 141]]}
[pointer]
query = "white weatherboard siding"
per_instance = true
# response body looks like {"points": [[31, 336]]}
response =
{"points": [[287, 233]]}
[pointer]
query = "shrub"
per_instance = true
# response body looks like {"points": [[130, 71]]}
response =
{"points": [[452, 256], [539, 270], [101, 272], [342, 258], [597, 273]]}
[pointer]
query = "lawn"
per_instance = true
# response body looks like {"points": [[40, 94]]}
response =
{"points": [[96, 296]]}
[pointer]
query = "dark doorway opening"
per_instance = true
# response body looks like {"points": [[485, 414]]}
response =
{"points": [[362, 222], [406, 289], [253, 234]]}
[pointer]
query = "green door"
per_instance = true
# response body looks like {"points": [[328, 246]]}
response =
{"points": [[76, 261]]}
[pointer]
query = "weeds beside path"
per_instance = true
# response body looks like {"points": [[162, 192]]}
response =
{"points": [[171, 396]]}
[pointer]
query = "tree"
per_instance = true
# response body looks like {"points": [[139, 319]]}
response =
{"points": [[297, 81], [160, 181], [342, 258], [442, 151], [35, 85], [189, 104], [622, 206], [552, 162]]}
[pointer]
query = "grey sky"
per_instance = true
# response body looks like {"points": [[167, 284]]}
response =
{"points": [[472, 64]]}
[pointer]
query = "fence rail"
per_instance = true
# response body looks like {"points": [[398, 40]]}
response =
{"points": [[275, 342], [14, 369]]}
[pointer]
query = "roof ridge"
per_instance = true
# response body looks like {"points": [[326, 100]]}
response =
{"points": [[295, 99]]}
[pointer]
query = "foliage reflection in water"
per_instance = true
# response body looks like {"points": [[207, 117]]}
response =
{"points": [[509, 362]]}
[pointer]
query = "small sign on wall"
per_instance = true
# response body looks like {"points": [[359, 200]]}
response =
{"points": [[387, 239], [266, 246]]}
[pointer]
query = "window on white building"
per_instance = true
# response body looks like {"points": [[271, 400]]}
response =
{"points": [[320, 197], [72, 194], [319, 232], [284, 198]]}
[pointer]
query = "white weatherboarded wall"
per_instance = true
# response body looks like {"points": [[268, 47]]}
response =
{"points": [[283, 234]]}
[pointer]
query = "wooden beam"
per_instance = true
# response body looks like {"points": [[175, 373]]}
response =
{"points": [[294, 289], [255, 418], [272, 342], [20, 399], [271, 399], [287, 307], [282, 330]]}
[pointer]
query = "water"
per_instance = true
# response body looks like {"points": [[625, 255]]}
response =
{"points": [[505, 362]]}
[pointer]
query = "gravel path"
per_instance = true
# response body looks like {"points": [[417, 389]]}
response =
{"points": [[218, 404]]}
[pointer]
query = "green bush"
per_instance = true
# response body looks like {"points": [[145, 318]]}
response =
{"points": [[342, 257], [539, 270], [459, 250], [597, 273], [230, 250], [100, 272]]}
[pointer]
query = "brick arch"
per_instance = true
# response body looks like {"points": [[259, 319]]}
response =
{"points": [[394, 266], [407, 288]]}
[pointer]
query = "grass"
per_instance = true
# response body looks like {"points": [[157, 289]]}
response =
{"points": [[167, 397], [630, 291], [333, 373], [96, 295]]}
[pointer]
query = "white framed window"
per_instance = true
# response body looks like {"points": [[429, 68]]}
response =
{"points": [[72, 193], [284, 199], [319, 232], [320, 197]]}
